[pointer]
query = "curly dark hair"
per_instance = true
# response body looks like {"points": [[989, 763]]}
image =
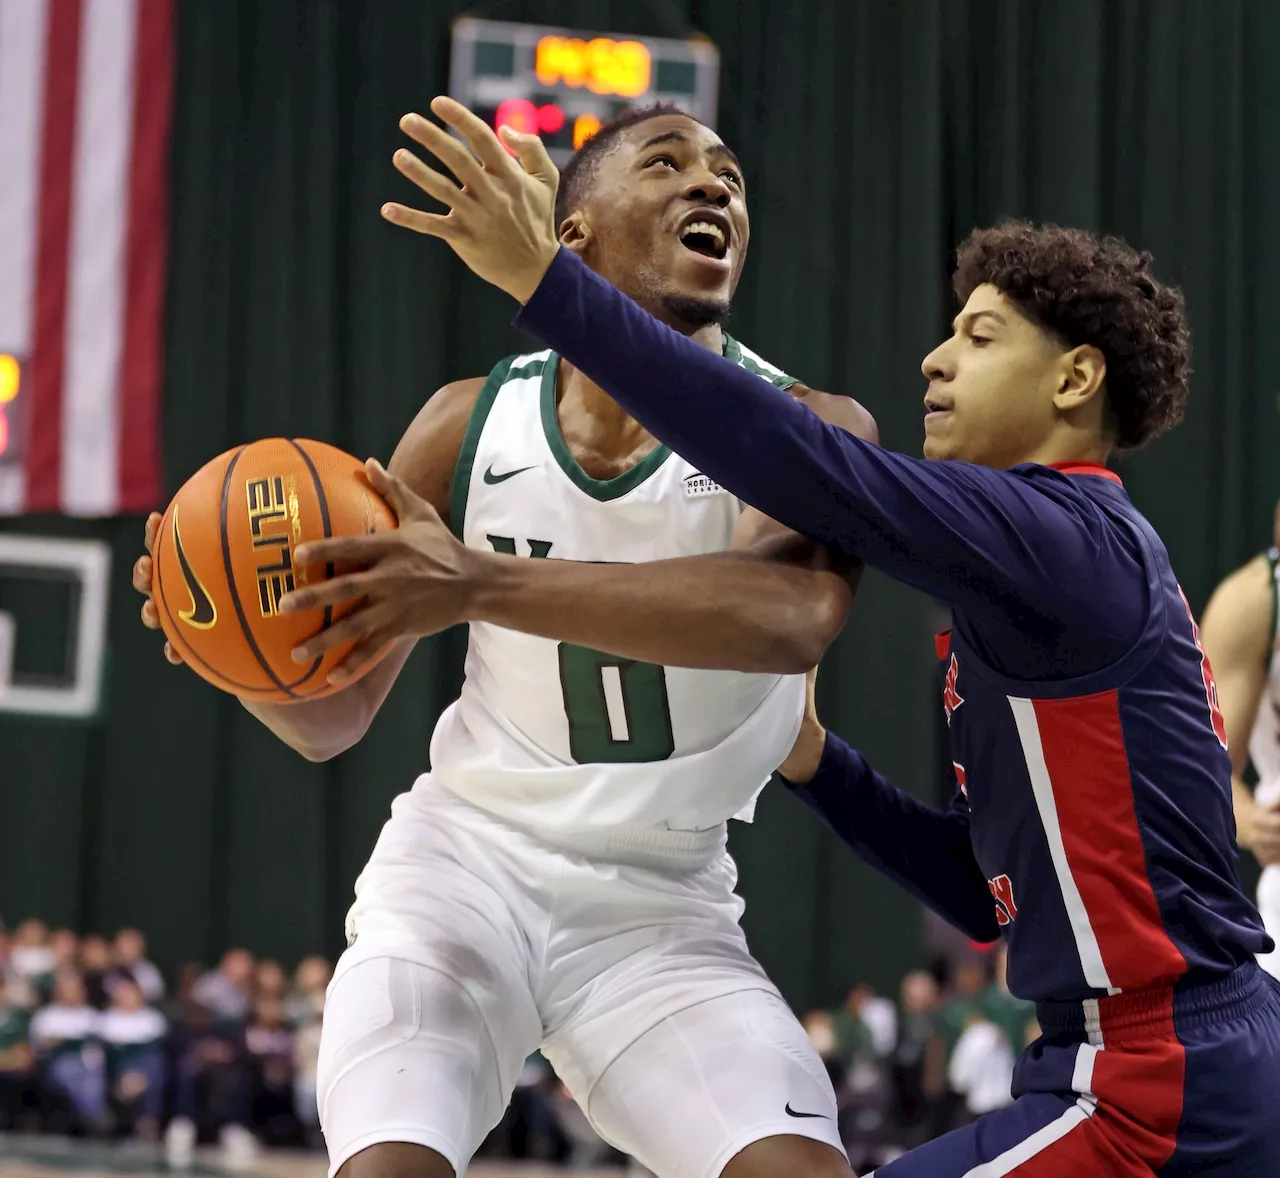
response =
{"points": [[579, 172], [1099, 291]]}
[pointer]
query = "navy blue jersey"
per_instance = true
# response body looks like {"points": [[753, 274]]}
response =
{"points": [[1093, 823], [1099, 805]]}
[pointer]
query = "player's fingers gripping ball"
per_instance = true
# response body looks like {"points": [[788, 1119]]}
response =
{"points": [[224, 558]]}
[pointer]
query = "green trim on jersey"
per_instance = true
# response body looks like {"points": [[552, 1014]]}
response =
{"points": [[733, 351], [601, 489], [608, 489], [461, 485]]}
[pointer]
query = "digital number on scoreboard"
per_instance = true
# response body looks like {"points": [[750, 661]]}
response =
{"points": [[562, 84]]}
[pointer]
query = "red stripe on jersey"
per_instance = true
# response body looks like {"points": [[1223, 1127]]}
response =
{"points": [[138, 471], [1088, 766], [48, 353], [942, 643]]}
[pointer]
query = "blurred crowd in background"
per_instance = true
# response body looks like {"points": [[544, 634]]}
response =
{"points": [[95, 1042]]}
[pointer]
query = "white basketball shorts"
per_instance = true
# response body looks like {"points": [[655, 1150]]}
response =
{"points": [[475, 944]]}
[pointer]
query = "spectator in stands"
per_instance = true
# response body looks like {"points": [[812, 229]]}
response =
{"points": [[918, 1065], [68, 1051], [269, 1043], [306, 1000], [1014, 1016], [95, 965], [269, 980], [210, 1086], [134, 1037], [15, 1058], [530, 1127], [876, 1015], [821, 1029], [981, 1068], [226, 991], [131, 958], [306, 1064], [31, 963], [65, 946]]}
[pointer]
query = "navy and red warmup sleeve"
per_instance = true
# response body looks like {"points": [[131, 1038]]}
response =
{"points": [[926, 851], [984, 540]]}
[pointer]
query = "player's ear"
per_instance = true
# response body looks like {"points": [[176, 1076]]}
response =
{"points": [[1083, 371], [575, 231]]}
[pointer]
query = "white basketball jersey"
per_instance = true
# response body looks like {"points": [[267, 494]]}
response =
{"points": [[1264, 740], [556, 737]]}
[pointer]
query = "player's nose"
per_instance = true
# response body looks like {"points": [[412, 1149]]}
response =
{"points": [[937, 365], [705, 187]]}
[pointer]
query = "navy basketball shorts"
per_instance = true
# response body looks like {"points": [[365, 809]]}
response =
{"points": [[1168, 1082]]}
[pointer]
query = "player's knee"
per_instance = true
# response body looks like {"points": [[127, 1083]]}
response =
{"points": [[396, 1159], [787, 1157]]}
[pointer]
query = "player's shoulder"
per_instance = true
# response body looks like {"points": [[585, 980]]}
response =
{"points": [[1241, 611], [427, 454], [833, 408], [838, 409], [1252, 584]]}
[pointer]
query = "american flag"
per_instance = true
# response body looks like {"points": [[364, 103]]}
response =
{"points": [[85, 114]]}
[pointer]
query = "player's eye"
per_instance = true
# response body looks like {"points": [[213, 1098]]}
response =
{"points": [[980, 341], [732, 176], [662, 159]]}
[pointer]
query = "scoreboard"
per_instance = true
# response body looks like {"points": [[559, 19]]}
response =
{"points": [[562, 84]]}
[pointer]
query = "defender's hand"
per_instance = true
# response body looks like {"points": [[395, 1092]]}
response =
{"points": [[142, 583], [806, 754], [501, 218], [416, 580]]}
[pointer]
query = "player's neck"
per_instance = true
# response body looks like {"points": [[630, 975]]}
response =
{"points": [[1065, 446], [580, 400]]}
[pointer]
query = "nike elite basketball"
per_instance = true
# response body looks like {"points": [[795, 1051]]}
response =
{"points": [[224, 558]]}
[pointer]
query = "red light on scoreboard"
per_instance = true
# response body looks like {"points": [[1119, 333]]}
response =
{"points": [[521, 115]]}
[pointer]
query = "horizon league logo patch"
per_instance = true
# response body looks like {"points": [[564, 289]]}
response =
{"points": [[698, 485]]}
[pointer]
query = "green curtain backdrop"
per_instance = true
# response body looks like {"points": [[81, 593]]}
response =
{"points": [[875, 134]]}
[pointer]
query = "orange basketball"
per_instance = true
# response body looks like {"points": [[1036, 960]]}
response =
{"points": [[224, 558]]}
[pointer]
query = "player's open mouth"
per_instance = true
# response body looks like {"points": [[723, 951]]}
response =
{"points": [[934, 408], [705, 237]]}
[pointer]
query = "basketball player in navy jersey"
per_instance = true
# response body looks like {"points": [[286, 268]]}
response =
{"points": [[1092, 827]]}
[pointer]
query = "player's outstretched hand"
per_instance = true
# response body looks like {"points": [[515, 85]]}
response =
{"points": [[142, 583], [415, 580], [501, 218]]}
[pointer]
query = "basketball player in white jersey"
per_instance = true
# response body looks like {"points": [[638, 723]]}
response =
{"points": [[1241, 636], [559, 879]]}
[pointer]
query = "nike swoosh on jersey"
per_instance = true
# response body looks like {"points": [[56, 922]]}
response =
{"points": [[203, 614], [492, 479], [792, 1113]]}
